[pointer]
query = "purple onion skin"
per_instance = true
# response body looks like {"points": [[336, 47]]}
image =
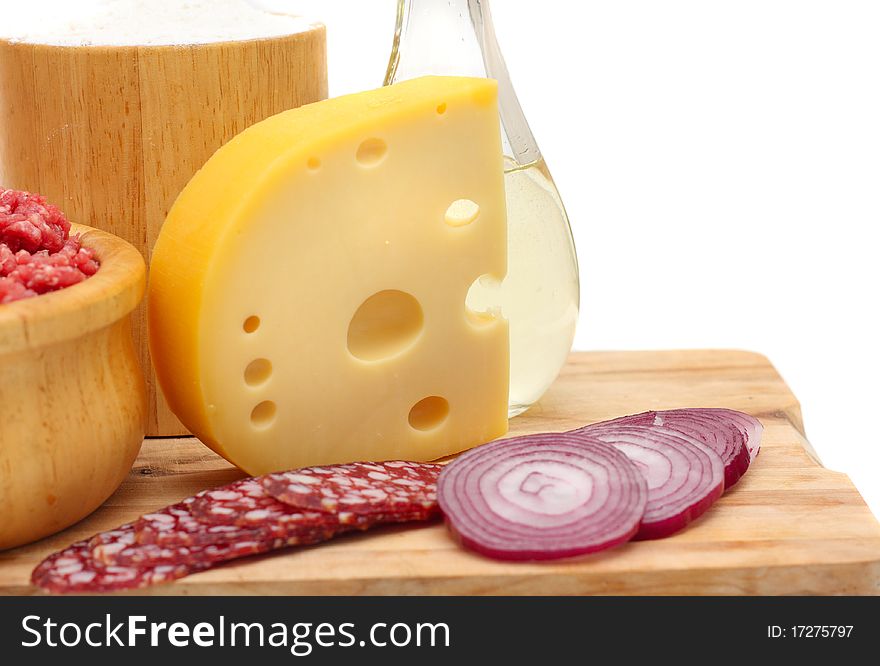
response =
{"points": [[669, 526], [694, 423], [538, 555], [736, 468], [528, 543], [664, 527], [677, 420]]}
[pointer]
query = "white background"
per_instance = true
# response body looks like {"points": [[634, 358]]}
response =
{"points": [[720, 162]]}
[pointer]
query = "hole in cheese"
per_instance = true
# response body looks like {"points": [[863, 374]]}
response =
{"points": [[429, 413], [483, 301], [263, 414], [441, 108], [462, 212], [258, 372], [371, 152], [313, 163], [384, 325], [251, 324], [478, 318]]}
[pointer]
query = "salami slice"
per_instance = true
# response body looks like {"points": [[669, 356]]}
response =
{"points": [[179, 525], [176, 526], [234, 521], [73, 571], [246, 504], [242, 519], [395, 490], [120, 548]]}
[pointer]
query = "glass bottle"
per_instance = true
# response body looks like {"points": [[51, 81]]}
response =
{"points": [[540, 294]]}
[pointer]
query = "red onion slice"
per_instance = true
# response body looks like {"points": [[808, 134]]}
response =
{"points": [[748, 424], [684, 476], [543, 496], [733, 435]]}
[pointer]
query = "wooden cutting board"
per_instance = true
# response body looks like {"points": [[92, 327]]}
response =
{"points": [[789, 527]]}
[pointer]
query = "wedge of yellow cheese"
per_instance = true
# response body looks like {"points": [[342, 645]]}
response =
{"points": [[307, 291]]}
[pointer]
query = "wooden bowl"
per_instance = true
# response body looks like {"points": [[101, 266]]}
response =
{"points": [[72, 396], [134, 123]]}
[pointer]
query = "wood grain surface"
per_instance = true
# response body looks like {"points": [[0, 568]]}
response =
{"points": [[789, 527], [72, 398], [113, 134]]}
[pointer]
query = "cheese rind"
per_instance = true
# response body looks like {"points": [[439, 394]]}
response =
{"points": [[307, 291]]}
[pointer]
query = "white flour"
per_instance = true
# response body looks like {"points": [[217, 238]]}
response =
{"points": [[142, 22]]}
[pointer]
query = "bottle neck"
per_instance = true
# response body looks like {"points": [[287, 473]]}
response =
{"points": [[457, 38], [437, 37]]}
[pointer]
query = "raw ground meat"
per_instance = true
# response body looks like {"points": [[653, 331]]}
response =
{"points": [[28, 222], [37, 255]]}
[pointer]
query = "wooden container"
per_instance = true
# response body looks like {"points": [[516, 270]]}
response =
{"points": [[112, 134], [73, 402]]}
